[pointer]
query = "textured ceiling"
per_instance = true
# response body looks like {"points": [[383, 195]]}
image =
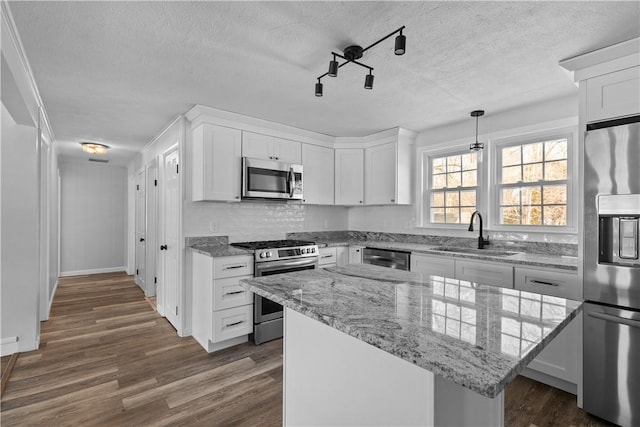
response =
{"points": [[118, 72]]}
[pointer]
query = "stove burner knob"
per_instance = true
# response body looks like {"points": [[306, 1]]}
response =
{"points": [[269, 254], [263, 254], [313, 250]]}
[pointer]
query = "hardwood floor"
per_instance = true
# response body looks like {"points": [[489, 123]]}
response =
{"points": [[108, 359]]}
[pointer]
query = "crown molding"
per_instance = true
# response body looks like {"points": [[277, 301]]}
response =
{"points": [[602, 61]]}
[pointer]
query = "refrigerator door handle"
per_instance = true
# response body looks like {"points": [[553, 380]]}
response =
{"points": [[616, 319]]}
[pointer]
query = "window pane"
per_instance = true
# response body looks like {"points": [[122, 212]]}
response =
{"points": [[531, 195], [532, 215], [511, 175], [439, 165], [454, 180], [465, 214], [468, 198], [532, 173], [469, 161], [453, 164], [452, 198], [510, 215], [511, 156], [555, 150], [439, 181], [510, 196], [437, 199], [555, 170], [532, 153], [554, 194], [555, 215], [452, 215], [469, 179], [437, 215]]}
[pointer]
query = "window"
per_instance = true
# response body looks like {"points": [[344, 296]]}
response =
{"points": [[452, 188], [532, 183]]}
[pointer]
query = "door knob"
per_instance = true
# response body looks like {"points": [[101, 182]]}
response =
{"points": [[142, 239], [163, 247]]}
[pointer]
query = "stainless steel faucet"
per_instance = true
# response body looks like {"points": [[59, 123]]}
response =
{"points": [[481, 240]]}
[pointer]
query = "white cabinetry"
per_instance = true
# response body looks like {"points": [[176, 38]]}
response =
{"points": [[216, 163], [342, 255], [222, 309], [613, 95], [433, 265], [260, 146], [387, 169], [489, 273], [561, 359], [355, 254], [318, 164], [349, 176], [328, 257]]}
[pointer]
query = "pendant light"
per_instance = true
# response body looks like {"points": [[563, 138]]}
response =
{"points": [[476, 146]]}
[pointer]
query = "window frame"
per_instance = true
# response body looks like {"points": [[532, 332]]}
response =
{"points": [[427, 176], [497, 186]]}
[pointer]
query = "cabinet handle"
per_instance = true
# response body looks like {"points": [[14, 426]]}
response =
{"points": [[237, 197], [327, 256], [142, 239], [540, 282], [234, 293], [360, 201], [163, 247], [234, 267], [616, 319], [277, 158], [228, 325], [357, 250], [393, 200]]}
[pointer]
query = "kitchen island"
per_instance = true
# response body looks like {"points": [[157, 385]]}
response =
{"points": [[368, 345]]}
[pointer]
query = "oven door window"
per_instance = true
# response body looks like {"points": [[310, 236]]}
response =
{"points": [[267, 180]]}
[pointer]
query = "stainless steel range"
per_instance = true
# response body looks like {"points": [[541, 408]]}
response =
{"points": [[276, 257]]}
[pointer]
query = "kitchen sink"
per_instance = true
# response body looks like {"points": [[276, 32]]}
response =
{"points": [[474, 251]]}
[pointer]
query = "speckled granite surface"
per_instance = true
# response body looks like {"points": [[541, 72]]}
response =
{"points": [[220, 250], [477, 336]]}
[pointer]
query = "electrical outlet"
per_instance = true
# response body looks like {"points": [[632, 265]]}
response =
{"points": [[213, 226]]}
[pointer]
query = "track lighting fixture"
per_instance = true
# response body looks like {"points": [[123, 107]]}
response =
{"points": [[476, 146], [355, 52]]}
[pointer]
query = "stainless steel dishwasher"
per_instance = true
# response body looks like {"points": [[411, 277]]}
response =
{"points": [[387, 258]]}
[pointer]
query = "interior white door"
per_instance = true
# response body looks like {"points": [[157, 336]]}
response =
{"points": [[141, 229], [170, 298], [151, 277]]}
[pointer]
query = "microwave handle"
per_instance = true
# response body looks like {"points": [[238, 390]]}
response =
{"points": [[291, 182]]}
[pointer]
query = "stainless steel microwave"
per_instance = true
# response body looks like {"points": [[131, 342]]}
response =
{"points": [[271, 179]]}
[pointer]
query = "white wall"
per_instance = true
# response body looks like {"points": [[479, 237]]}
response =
{"points": [[19, 277], [404, 219], [93, 218]]}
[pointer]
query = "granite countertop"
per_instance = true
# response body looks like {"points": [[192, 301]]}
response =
{"points": [[214, 250], [477, 336], [520, 258]]}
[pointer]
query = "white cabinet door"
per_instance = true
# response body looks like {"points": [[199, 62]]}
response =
{"points": [[216, 163], [260, 146], [349, 176], [613, 95], [328, 256], [380, 174], [557, 283], [487, 273], [318, 174], [342, 255], [355, 254], [433, 265], [141, 230]]}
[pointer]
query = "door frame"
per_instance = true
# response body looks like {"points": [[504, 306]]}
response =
{"points": [[152, 206]]}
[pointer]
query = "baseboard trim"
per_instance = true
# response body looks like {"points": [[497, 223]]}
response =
{"points": [[53, 294], [93, 271], [550, 380], [8, 346], [6, 373]]}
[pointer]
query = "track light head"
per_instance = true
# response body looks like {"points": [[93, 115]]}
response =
{"points": [[333, 67], [401, 43], [318, 88], [368, 81]]}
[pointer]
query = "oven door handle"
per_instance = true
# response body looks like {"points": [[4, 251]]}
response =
{"points": [[616, 319], [290, 263]]}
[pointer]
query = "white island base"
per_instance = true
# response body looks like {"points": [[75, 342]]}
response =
{"points": [[334, 379]]}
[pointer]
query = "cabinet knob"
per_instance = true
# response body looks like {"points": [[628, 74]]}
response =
{"points": [[393, 200], [163, 247], [360, 201], [142, 239], [237, 197]]}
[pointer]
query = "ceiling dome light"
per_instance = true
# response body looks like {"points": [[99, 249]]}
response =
{"points": [[476, 146], [318, 88], [94, 148], [401, 43], [368, 81]]}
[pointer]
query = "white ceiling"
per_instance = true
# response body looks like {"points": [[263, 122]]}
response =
{"points": [[119, 72]]}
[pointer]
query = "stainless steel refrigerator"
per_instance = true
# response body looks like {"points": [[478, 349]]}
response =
{"points": [[612, 271]]}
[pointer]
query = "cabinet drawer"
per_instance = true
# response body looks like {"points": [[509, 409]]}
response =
{"points": [[548, 282], [232, 322], [232, 266], [432, 265], [327, 256], [485, 273], [228, 293]]}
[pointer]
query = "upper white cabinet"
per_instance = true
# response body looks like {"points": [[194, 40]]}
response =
{"points": [[260, 146], [319, 177], [349, 176], [216, 163], [613, 95], [387, 169]]}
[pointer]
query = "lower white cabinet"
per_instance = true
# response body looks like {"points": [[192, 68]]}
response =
{"points": [[433, 265], [328, 257], [355, 254], [488, 273], [342, 255], [222, 309]]}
